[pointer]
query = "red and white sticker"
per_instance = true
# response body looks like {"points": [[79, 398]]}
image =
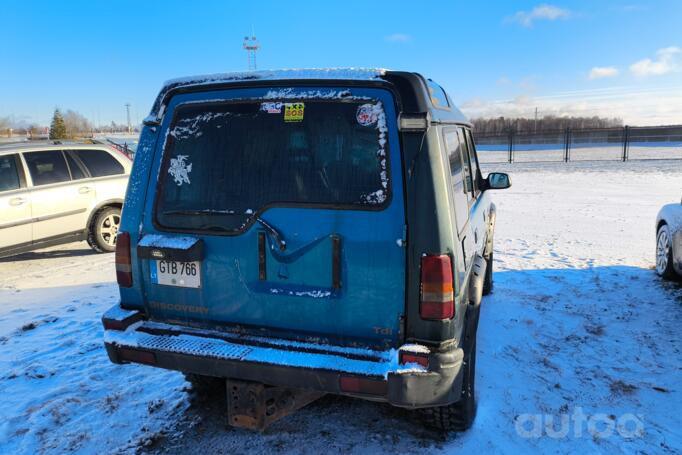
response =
{"points": [[366, 115], [271, 108]]}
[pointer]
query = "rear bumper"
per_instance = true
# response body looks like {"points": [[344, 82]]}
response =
{"points": [[362, 373]]}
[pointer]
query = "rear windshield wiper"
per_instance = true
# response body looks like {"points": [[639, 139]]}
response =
{"points": [[268, 227]]}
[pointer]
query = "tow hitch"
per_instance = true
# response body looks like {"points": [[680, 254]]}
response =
{"points": [[254, 406]]}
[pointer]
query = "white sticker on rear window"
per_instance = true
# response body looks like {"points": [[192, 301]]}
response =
{"points": [[366, 115], [180, 169], [271, 108]]}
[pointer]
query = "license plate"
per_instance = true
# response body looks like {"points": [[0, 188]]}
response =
{"points": [[175, 273]]}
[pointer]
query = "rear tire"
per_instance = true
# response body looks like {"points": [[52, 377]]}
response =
{"points": [[103, 230], [488, 280], [664, 253], [460, 415]]}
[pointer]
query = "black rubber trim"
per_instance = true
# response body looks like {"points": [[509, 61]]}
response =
{"points": [[262, 272], [20, 170], [336, 262], [193, 253]]}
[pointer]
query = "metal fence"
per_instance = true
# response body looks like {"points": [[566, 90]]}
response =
{"points": [[614, 144], [124, 148]]}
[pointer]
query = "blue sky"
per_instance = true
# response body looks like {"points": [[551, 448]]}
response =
{"points": [[606, 58]]}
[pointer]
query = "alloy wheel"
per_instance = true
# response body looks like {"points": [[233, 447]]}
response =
{"points": [[109, 228], [662, 251]]}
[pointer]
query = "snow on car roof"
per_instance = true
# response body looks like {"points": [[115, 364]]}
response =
{"points": [[311, 73], [361, 74], [27, 146]]}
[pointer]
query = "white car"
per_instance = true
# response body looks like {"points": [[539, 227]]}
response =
{"points": [[669, 241], [53, 194]]}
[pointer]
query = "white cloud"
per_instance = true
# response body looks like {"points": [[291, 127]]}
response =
{"points": [[540, 12], [599, 72], [635, 105], [398, 38], [667, 61]]}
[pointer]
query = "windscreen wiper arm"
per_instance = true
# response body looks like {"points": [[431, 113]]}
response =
{"points": [[274, 232], [268, 227]]}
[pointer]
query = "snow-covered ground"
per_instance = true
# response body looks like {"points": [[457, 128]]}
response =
{"points": [[59, 391], [578, 328]]}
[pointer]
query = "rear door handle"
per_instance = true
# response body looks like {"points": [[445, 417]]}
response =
{"points": [[84, 189], [17, 201]]}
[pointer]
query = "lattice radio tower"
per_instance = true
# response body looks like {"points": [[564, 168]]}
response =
{"points": [[251, 46]]}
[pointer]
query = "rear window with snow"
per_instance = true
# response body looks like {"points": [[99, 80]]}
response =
{"points": [[224, 162]]}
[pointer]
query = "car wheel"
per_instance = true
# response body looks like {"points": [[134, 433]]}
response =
{"points": [[664, 253], [103, 231], [460, 415], [488, 280]]}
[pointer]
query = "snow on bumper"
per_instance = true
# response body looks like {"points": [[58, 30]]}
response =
{"points": [[137, 337], [283, 362]]}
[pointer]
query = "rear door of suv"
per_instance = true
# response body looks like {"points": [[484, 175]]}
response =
{"points": [[60, 197], [462, 197], [479, 201], [106, 171], [296, 196]]}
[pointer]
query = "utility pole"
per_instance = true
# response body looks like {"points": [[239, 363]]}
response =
{"points": [[535, 128], [251, 46], [128, 116]]}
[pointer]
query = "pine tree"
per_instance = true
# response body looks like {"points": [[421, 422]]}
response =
{"points": [[57, 127]]}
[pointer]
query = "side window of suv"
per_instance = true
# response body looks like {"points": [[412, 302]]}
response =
{"points": [[77, 168], [9, 174], [99, 162], [457, 178], [438, 97], [47, 167], [466, 166], [473, 160]]}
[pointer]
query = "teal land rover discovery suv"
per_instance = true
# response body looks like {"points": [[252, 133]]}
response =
{"points": [[300, 232]]}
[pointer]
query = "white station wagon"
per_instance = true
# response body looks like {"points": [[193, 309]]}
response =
{"points": [[53, 194], [669, 241]]}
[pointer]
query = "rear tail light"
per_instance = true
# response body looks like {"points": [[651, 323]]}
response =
{"points": [[124, 269], [412, 357], [437, 296]]}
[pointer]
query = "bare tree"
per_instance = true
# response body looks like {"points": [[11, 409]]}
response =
{"points": [[4, 123], [504, 125], [76, 124]]}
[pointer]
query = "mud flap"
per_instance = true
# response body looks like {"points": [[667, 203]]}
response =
{"points": [[254, 406]]}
